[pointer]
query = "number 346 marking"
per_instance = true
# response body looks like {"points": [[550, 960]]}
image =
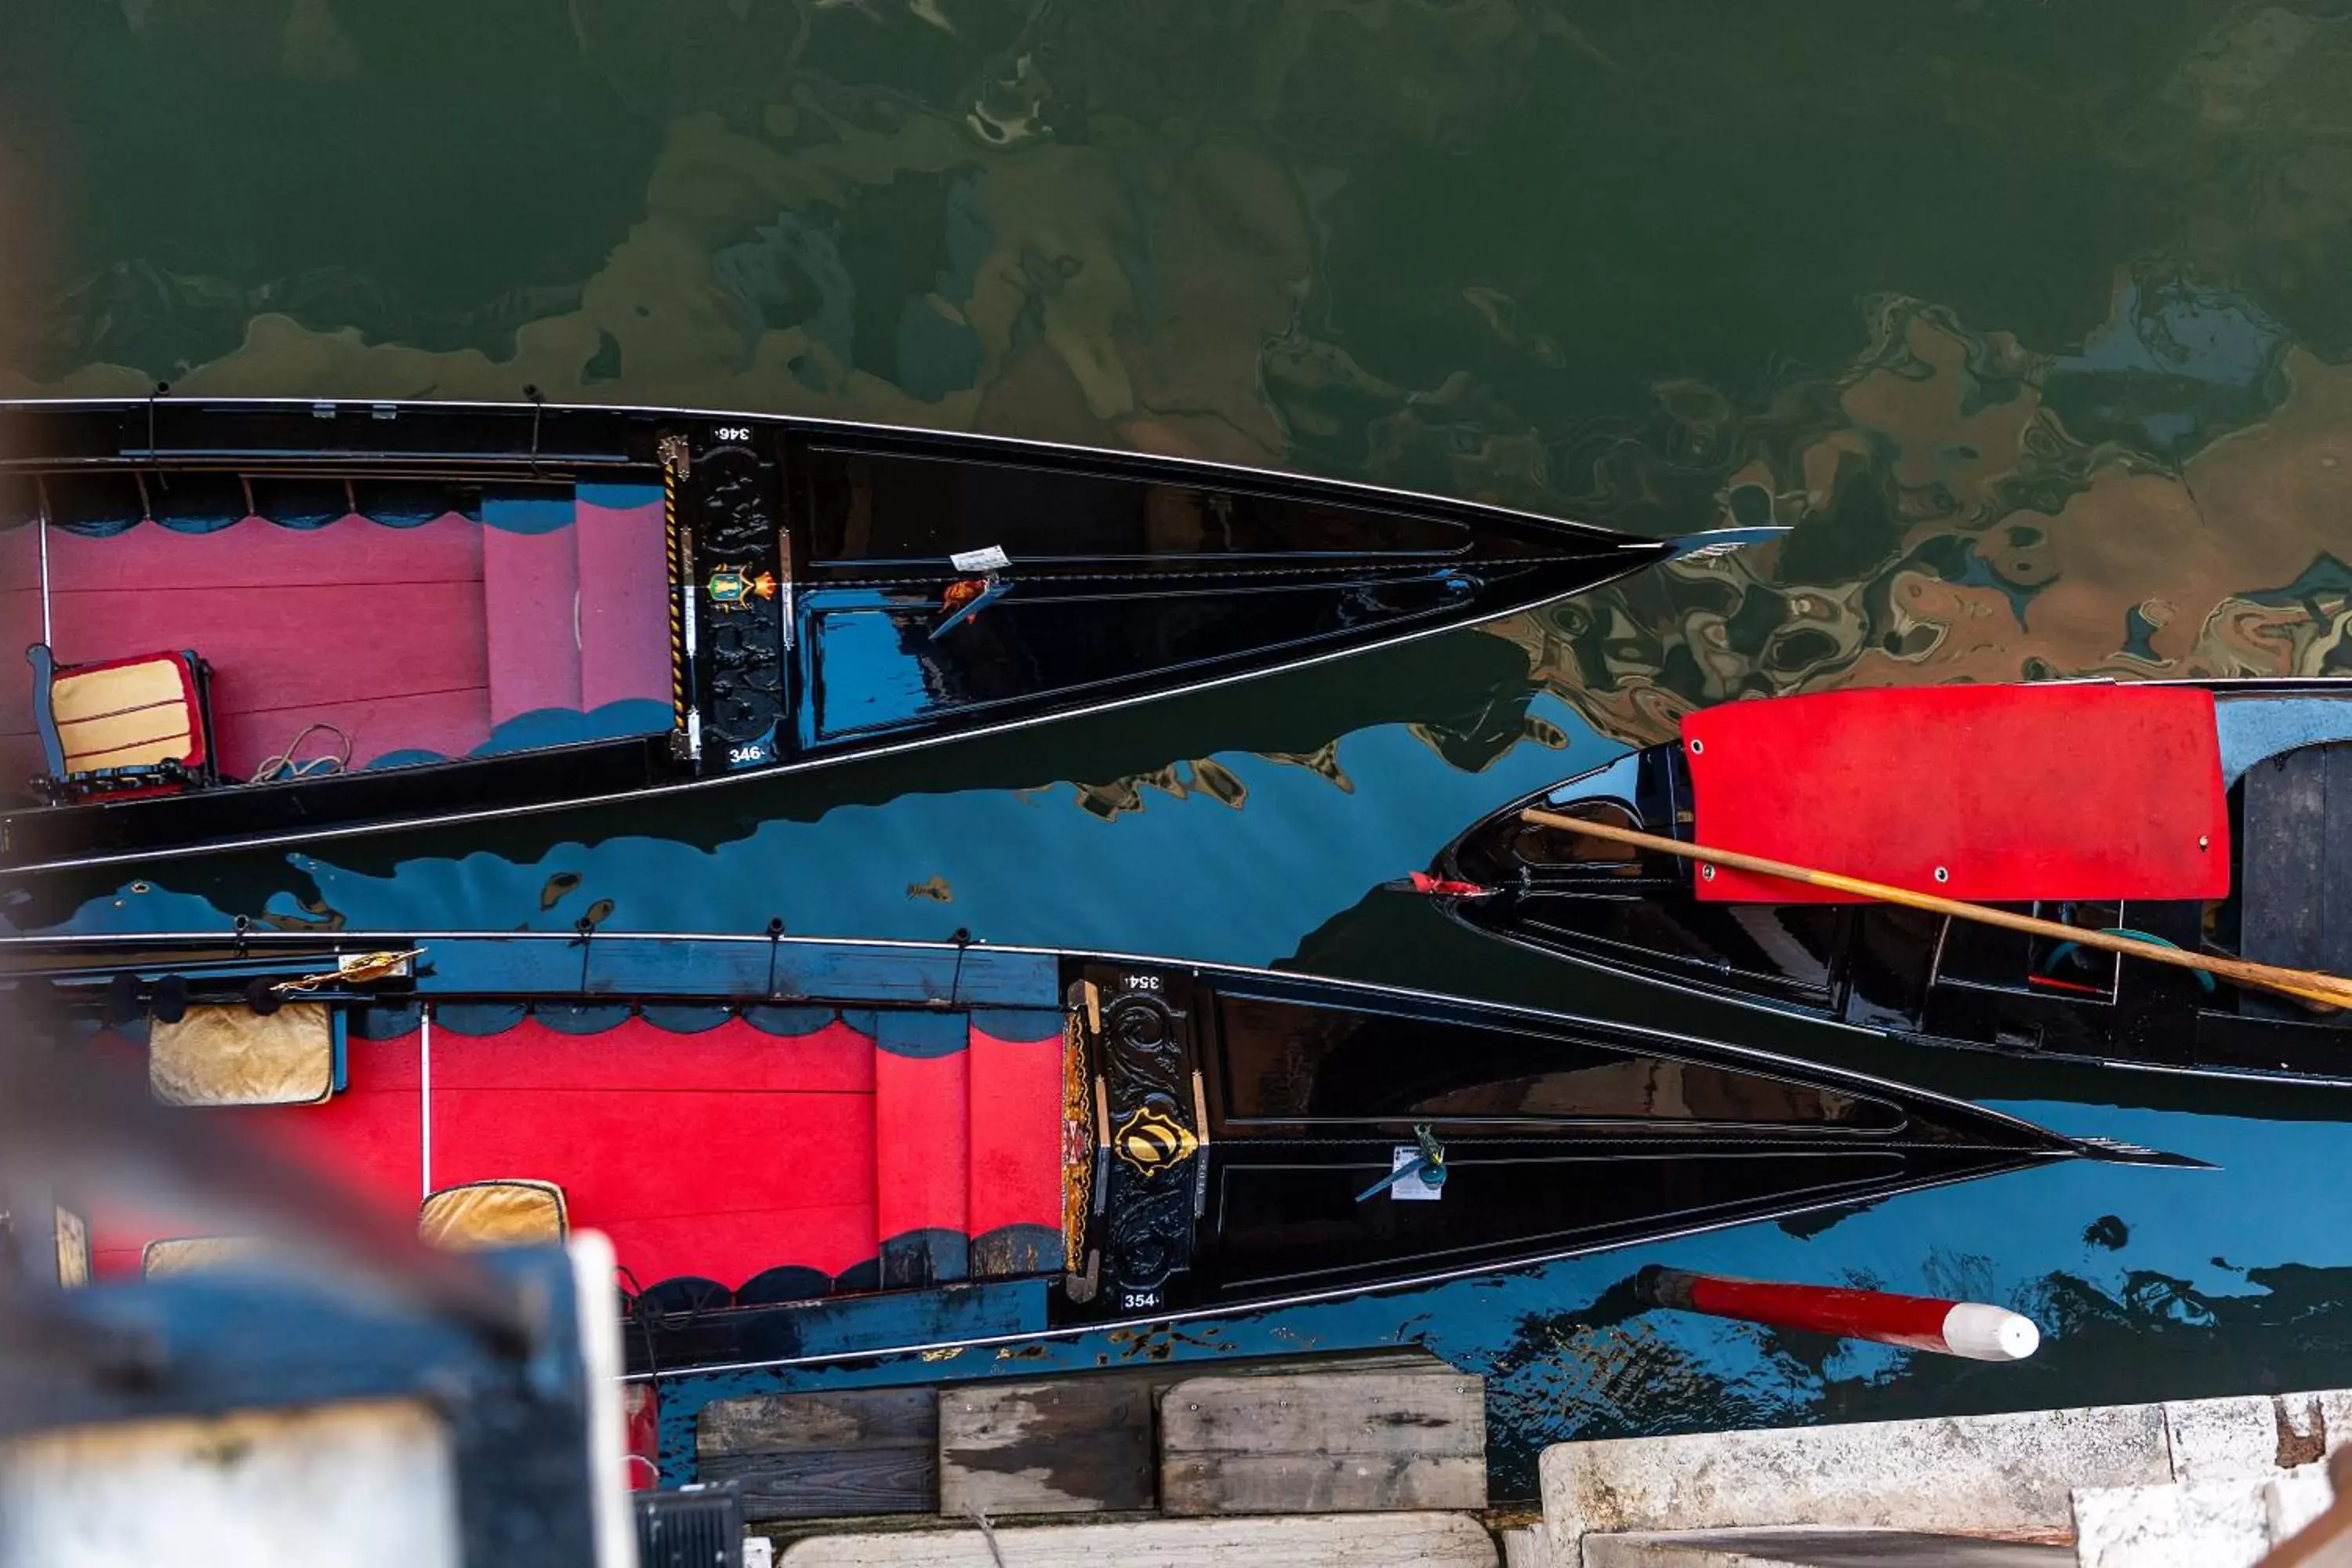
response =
{"points": [[733, 432]]}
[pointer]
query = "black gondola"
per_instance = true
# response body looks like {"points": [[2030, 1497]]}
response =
{"points": [[2211, 817], [773, 1131], [258, 622]]}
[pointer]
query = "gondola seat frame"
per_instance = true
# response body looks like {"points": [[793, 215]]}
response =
{"points": [[174, 688]]}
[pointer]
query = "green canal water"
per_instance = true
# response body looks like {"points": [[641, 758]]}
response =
{"points": [[2034, 317]]}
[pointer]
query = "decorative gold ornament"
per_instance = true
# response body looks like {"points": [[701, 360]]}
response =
{"points": [[1150, 1140]]}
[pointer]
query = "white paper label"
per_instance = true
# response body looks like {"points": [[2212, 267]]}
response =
{"points": [[1411, 1188], [991, 559]]}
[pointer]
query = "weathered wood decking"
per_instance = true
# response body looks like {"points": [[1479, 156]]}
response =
{"points": [[1387, 1430], [1076, 1446], [806, 1455], [1324, 1442]]}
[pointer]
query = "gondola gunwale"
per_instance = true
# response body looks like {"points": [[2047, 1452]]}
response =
{"points": [[1773, 1063], [1328, 1294], [150, 457], [1610, 555]]}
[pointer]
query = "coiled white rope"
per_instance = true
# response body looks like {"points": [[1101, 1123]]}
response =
{"points": [[284, 766]]}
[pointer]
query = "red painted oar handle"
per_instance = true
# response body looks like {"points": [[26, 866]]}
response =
{"points": [[1438, 887], [1970, 1329]]}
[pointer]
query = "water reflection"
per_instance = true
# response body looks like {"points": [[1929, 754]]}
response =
{"points": [[1966, 510], [1239, 868]]}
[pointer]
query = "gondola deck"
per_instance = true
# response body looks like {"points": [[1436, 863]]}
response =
{"points": [[390, 640], [793, 1150]]}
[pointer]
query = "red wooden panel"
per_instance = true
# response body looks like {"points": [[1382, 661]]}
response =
{"points": [[531, 592], [271, 647], [1017, 1133], [367, 1137], [718, 1154], [2054, 791], [624, 602], [922, 1149], [377, 630], [641, 1055], [446, 723], [370, 1132], [691, 1167], [258, 554], [733, 1246]]}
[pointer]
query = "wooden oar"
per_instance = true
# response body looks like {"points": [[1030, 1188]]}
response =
{"points": [[2304, 984]]}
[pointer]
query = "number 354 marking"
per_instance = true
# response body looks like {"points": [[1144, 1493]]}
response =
{"points": [[733, 432]]}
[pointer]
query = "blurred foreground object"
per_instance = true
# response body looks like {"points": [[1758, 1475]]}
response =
{"points": [[394, 1403], [264, 1423]]}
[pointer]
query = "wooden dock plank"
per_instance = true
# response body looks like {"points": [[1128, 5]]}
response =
{"points": [[814, 1455], [1330, 1412], [1072, 1446], [789, 1423], [830, 1484], [1079, 1443], [1193, 1484], [1334, 1441]]}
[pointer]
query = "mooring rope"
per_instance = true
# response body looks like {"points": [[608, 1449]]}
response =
{"points": [[284, 766]]}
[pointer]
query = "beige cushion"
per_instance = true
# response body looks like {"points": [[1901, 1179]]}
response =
{"points": [[493, 1214], [196, 1255], [232, 1056], [135, 713]]}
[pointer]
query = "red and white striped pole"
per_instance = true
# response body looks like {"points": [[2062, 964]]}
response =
{"points": [[1970, 1329]]}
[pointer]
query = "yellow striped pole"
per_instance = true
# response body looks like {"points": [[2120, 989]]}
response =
{"points": [[673, 457]]}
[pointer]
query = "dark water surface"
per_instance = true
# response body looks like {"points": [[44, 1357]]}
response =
{"points": [[2033, 316]]}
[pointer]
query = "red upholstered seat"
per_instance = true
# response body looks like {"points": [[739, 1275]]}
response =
{"points": [[135, 725]]}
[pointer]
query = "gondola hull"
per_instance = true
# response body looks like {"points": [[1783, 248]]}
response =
{"points": [[2198, 814], [773, 1130], [256, 622]]}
